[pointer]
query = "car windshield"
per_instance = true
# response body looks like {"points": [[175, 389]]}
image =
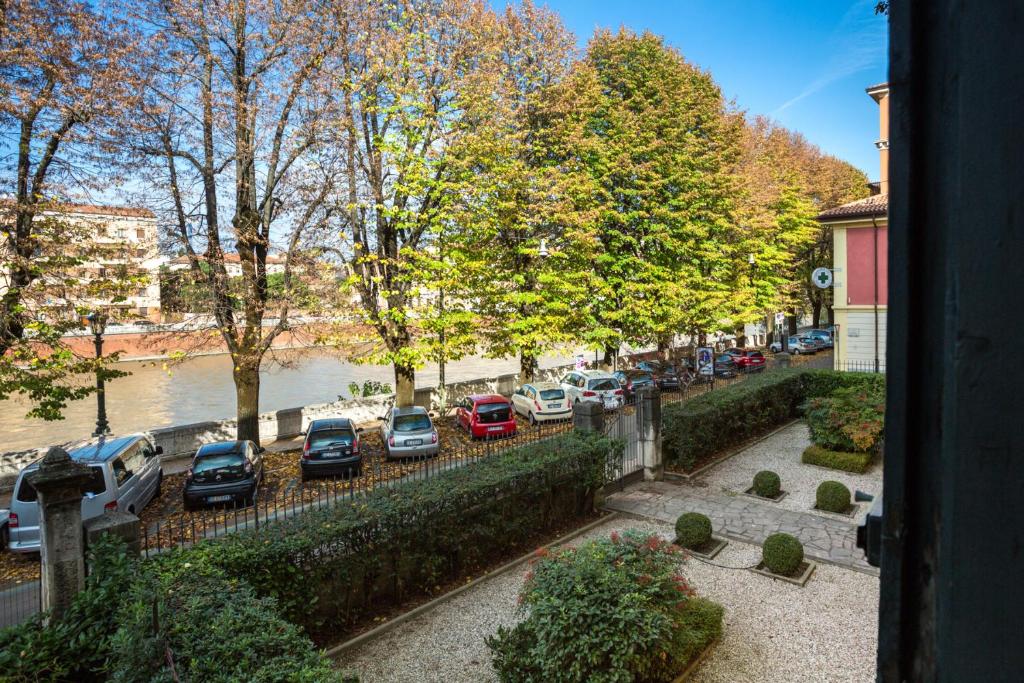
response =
{"points": [[96, 485], [412, 423], [493, 412], [603, 384], [552, 394], [724, 358], [331, 437], [640, 377], [229, 462]]}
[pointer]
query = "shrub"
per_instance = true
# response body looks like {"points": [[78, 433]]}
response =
{"points": [[74, 646], [637, 618], [782, 554], [214, 629], [330, 568], [693, 530], [707, 424], [837, 460], [850, 419], [832, 496], [767, 484]]}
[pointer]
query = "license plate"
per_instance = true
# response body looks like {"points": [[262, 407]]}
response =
{"points": [[217, 499], [554, 405], [331, 454], [413, 442], [495, 429]]}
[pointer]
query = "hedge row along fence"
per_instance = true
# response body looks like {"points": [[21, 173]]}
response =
{"points": [[330, 568], [694, 431]]}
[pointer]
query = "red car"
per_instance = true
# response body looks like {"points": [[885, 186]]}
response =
{"points": [[486, 416], [748, 360]]}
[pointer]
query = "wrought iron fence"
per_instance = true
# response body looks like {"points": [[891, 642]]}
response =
{"points": [[21, 594], [860, 366]]}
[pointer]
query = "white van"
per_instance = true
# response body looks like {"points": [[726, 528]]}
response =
{"points": [[126, 477]]}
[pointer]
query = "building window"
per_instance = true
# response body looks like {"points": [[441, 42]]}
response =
{"points": [[122, 233], [140, 233]]}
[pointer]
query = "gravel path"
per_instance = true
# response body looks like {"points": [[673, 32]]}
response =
{"points": [[774, 631], [781, 453]]}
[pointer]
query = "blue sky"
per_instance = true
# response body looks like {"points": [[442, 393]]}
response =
{"points": [[804, 63]]}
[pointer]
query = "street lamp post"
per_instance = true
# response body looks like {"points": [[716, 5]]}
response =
{"points": [[97, 325]]}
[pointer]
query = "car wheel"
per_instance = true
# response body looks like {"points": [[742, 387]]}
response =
{"points": [[532, 419], [159, 484], [187, 505], [355, 472], [303, 476]]}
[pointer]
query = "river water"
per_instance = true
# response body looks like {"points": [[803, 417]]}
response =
{"points": [[200, 388]]}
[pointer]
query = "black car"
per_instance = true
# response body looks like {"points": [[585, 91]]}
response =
{"points": [[725, 366], [665, 376], [227, 472], [634, 380], [331, 448]]}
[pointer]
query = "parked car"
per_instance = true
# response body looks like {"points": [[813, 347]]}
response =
{"points": [[486, 416], [797, 346], [331, 447], [824, 336], [632, 381], [542, 402], [818, 342], [224, 472], [126, 476], [725, 366], [665, 375], [409, 433], [593, 385], [749, 360]]}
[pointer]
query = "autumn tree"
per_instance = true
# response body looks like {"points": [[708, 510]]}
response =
{"points": [[65, 81], [659, 150], [232, 133], [512, 189], [398, 78], [786, 182]]}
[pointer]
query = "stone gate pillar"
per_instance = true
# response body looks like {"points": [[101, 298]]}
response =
{"points": [[648, 428], [588, 416], [59, 482]]}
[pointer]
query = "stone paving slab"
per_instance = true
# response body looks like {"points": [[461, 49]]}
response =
{"points": [[745, 519]]}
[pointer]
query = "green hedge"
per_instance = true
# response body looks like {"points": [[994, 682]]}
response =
{"points": [[214, 628], [132, 614], [610, 610], [697, 429], [329, 568], [837, 460]]}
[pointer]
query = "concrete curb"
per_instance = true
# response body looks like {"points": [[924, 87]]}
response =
{"points": [[339, 650]]}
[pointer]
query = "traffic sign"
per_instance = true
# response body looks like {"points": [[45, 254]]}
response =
{"points": [[780, 318], [822, 278]]}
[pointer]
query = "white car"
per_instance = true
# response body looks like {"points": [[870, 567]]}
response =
{"points": [[542, 402], [593, 385]]}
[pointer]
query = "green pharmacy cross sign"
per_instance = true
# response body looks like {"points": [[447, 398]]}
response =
{"points": [[822, 278]]}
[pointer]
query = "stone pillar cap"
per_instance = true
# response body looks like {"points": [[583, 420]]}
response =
{"points": [[57, 468]]}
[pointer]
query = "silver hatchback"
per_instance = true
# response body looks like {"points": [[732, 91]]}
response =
{"points": [[409, 432], [126, 476]]}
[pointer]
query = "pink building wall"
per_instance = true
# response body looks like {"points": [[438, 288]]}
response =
{"points": [[860, 260]]}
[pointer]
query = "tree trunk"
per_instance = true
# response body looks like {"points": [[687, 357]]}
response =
{"points": [[247, 400], [816, 302], [608, 361], [405, 385], [831, 315], [527, 368], [791, 321], [442, 389]]}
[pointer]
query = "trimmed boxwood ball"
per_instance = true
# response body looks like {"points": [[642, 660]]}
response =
{"points": [[832, 497], [693, 530], [782, 554], [767, 484]]}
